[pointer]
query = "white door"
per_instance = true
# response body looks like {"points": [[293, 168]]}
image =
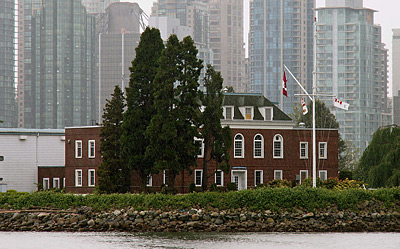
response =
{"points": [[239, 177]]}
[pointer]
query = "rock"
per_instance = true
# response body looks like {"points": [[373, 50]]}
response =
{"points": [[183, 217], [91, 223], [214, 214], [16, 216], [270, 221], [142, 213], [117, 212], [139, 220], [154, 223], [195, 217], [219, 221]]}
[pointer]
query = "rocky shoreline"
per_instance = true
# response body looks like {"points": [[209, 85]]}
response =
{"points": [[129, 220]]}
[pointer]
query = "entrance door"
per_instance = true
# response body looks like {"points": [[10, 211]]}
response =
{"points": [[240, 178]]}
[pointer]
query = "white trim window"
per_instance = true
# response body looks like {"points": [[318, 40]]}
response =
{"points": [[323, 175], [198, 177], [149, 181], [91, 177], [91, 149], [56, 183], [228, 112], [46, 183], [268, 113], [248, 113], [165, 177], [278, 146], [278, 175], [78, 148], [303, 150], [258, 177], [64, 182], [238, 146], [200, 145], [323, 150], [258, 146], [303, 175], [78, 178], [219, 178]]}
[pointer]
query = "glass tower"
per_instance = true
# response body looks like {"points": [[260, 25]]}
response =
{"points": [[281, 32], [352, 64]]}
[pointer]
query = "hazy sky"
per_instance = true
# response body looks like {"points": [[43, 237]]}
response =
{"points": [[387, 16]]}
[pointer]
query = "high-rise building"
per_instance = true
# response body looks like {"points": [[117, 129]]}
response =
{"points": [[56, 62], [352, 64], [226, 41], [396, 76], [118, 35], [8, 113], [281, 32], [97, 6]]}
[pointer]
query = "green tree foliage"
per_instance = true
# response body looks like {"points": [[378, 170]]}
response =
{"points": [[217, 140], [175, 124], [114, 175], [140, 104], [379, 164]]}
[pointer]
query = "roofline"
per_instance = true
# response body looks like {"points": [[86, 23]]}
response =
{"points": [[83, 127], [321, 8], [43, 132]]}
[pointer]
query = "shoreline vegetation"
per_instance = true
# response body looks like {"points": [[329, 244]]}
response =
{"points": [[299, 209]]}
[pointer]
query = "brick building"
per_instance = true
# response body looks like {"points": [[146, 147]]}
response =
{"points": [[266, 146]]}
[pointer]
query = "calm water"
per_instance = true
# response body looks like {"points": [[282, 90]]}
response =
{"points": [[32, 240]]}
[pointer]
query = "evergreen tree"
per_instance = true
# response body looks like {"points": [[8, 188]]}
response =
{"points": [[114, 175], [140, 104], [175, 125], [217, 140]]}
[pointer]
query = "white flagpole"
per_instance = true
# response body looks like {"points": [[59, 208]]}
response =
{"points": [[314, 87], [281, 54]]}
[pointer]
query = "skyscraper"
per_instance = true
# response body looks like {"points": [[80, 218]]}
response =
{"points": [[8, 111], [281, 36], [396, 75], [352, 64], [97, 6], [57, 44]]}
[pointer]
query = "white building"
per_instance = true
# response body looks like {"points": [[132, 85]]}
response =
{"points": [[25, 150], [169, 26]]}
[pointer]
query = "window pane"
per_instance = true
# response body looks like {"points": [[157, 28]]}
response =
{"points": [[277, 149], [198, 177], [228, 112], [218, 178], [248, 113]]}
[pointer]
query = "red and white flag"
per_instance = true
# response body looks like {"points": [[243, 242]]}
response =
{"points": [[305, 109], [340, 104], [284, 88]]}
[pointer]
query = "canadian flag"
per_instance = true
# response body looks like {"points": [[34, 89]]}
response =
{"points": [[284, 88], [305, 109], [341, 104]]}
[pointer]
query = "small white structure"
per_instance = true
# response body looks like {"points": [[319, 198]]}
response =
{"points": [[24, 150]]}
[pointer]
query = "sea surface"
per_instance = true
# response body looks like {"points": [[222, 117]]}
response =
{"points": [[63, 240]]}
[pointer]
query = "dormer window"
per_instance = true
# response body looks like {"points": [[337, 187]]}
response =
{"points": [[268, 114], [228, 112], [248, 113]]}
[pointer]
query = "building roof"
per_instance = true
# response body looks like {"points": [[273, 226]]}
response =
{"points": [[19, 131], [252, 100]]}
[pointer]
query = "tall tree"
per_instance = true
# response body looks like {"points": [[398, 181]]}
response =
{"points": [[114, 175], [217, 140], [175, 125], [140, 103]]}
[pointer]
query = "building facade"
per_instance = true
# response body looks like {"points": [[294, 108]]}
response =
{"points": [[58, 64], [8, 110], [281, 32], [396, 76], [352, 64], [97, 6], [25, 153]]}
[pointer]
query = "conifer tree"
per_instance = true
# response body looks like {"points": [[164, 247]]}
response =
{"points": [[140, 104], [217, 140], [175, 125], [114, 175]]}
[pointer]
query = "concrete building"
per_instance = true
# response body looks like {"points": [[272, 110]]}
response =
{"points": [[8, 110], [280, 36], [168, 26], [57, 64], [25, 151], [97, 6], [118, 35], [352, 64], [396, 75]]}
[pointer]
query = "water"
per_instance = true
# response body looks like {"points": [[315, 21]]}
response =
{"points": [[61, 240]]}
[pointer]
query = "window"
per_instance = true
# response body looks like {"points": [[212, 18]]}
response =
{"points": [[239, 146], [323, 175], [165, 178], [149, 181], [91, 149], [303, 175], [56, 183], [78, 149], [268, 114], [64, 182], [78, 178], [198, 177], [46, 183], [91, 177], [323, 150], [219, 178], [228, 112], [258, 177], [248, 111], [278, 146], [258, 146], [303, 150], [278, 174], [200, 145]]}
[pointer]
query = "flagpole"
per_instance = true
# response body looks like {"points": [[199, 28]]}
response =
{"points": [[314, 87], [281, 50]]}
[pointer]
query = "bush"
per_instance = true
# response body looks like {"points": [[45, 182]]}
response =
{"points": [[192, 187], [279, 184], [350, 184], [309, 182], [231, 186], [260, 185], [345, 174], [330, 183]]}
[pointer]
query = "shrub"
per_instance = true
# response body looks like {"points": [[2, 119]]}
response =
{"points": [[260, 185], [192, 187], [330, 183], [231, 186], [279, 184], [345, 174], [309, 182], [350, 184]]}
